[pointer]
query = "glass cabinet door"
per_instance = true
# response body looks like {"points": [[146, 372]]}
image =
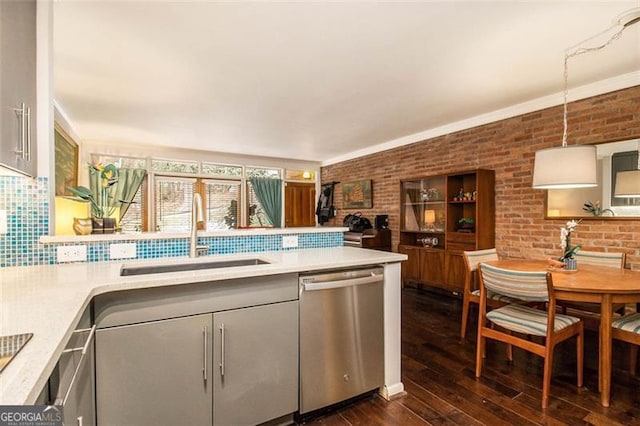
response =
{"points": [[424, 205]]}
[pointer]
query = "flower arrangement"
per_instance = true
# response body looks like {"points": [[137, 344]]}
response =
{"points": [[565, 240], [101, 203]]}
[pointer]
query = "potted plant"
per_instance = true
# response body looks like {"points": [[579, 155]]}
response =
{"points": [[466, 224], [102, 205], [595, 209], [565, 240]]}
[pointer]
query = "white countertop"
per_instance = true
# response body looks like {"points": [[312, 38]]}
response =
{"points": [[48, 300]]}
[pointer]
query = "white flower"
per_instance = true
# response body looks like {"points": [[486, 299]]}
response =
{"points": [[571, 225], [564, 233]]}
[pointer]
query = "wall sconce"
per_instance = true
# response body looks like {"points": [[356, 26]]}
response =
{"points": [[628, 182], [574, 166]]}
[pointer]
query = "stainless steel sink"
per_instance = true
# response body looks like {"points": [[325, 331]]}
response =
{"points": [[187, 266]]}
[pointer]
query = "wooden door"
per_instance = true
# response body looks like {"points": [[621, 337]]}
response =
{"points": [[454, 271], [411, 267], [432, 261], [299, 204]]}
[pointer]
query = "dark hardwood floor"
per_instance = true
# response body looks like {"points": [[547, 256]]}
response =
{"points": [[438, 372]]}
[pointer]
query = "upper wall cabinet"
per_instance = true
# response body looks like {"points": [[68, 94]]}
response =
{"points": [[18, 85]]}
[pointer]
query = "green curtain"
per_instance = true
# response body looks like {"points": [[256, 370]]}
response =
{"points": [[122, 192], [269, 193], [129, 181]]}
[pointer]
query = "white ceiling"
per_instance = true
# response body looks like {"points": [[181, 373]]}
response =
{"points": [[319, 81]]}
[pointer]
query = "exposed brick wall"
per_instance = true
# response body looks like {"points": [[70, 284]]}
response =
{"points": [[508, 147]]}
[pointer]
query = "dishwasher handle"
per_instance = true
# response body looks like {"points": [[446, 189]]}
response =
{"points": [[326, 285]]}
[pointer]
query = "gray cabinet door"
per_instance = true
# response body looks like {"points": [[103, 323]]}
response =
{"points": [[18, 84], [155, 373], [255, 363], [79, 406]]}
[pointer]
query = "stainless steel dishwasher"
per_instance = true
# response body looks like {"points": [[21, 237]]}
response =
{"points": [[341, 336]]}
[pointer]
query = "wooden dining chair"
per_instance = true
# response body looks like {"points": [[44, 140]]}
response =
{"points": [[525, 320], [627, 329], [600, 258], [596, 258], [471, 292]]}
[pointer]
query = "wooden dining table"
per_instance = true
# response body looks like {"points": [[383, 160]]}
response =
{"points": [[595, 284]]}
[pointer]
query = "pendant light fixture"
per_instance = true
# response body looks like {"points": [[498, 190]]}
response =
{"points": [[574, 166], [628, 182]]}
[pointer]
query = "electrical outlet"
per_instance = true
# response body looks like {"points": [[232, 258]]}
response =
{"points": [[72, 253], [3, 222], [122, 251], [289, 241]]}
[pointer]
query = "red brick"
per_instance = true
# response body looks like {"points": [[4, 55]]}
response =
{"points": [[508, 147]]}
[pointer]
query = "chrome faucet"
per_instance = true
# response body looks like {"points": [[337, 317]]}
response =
{"points": [[196, 216]]}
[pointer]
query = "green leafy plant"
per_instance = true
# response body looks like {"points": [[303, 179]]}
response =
{"points": [[595, 209], [101, 204], [465, 224]]}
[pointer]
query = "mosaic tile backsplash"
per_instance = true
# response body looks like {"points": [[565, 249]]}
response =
{"points": [[26, 202]]}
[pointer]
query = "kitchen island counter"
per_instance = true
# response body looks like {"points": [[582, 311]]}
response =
{"points": [[49, 300]]}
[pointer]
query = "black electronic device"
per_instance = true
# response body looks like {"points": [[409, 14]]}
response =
{"points": [[382, 221]]}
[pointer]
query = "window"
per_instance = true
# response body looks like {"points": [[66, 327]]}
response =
{"points": [[174, 166], [163, 202], [221, 170], [222, 199], [303, 175], [120, 162], [173, 199], [262, 172]]}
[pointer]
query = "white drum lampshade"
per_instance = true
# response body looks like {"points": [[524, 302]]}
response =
{"points": [[565, 167], [627, 184]]}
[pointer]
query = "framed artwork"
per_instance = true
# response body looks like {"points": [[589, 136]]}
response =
{"points": [[66, 160], [357, 195]]}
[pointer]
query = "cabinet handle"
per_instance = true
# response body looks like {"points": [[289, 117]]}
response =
{"points": [[205, 338], [83, 349], [20, 112], [80, 421], [27, 146], [222, 350]]}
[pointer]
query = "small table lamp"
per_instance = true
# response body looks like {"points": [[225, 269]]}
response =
{"points": [[429, 219]]}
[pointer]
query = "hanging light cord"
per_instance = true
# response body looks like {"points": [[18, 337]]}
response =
{"points": [[580, 51]]}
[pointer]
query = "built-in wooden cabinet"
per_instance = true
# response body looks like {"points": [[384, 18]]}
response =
{"points": [[442, 216]]}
